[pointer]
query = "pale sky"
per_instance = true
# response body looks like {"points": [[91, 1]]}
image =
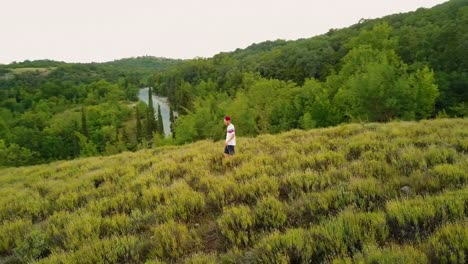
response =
{"points": [[104, 30]]}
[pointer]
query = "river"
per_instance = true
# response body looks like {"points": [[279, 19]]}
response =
{"points": [[164, 103]]}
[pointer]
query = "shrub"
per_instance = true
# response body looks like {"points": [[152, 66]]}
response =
{"points": [[313, 207], [237, 225], [410, 159], [349, 231], [125, 249], [324, 160], [370, 194], [154, 196], [24, 204], [201, 258], [12, 233], [293, 246], [34, 246], [297, 183], [340, 236], [438, 155], [184, 201], [449, 244], [173, 240], [269, 213], [394, 254], [372, 168], [119, 224], [450, 175], [250, 191], [220, 191], [414, 218], [123, 202], [81, 228], [359, 145]]}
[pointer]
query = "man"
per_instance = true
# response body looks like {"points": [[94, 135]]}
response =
{"points": [[230, 138]]}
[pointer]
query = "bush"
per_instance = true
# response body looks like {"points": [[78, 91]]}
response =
{"points": [[237, 225], [269, 213], [324, 160], [80, 229], [449, 244], [410, 159], [313, 207], [256, 188], [13, 233], [293, 246], [439, 155], [394, 254], [349, 231], [183, 201], [126, 249], [24, 204], [176, 201], [341, 236], [414, 218], [370, 194], [33, 247], [220, 191], [450, 175], [173, 240], [201, 258], [119, 224], [297, 183]]}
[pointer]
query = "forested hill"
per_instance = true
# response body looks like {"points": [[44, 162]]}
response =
{"points": [[398, 51], [356, 193], [121, 67], [53, 110]]}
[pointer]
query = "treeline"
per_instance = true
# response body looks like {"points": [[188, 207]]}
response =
{"points": [[54, 110], [404, 66]]}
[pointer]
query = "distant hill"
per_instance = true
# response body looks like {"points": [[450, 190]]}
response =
{"points": [[144, 63], [137, 64], [392, 193]]}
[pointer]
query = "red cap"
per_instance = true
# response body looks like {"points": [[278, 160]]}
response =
{"points": [[227, 118]]}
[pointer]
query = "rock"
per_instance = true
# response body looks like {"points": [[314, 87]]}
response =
{"points": [[406, 189]]}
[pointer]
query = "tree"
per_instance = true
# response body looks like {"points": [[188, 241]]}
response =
{"points": [[84, 126], [171, 120], [139, 132], [425, 92], [151, 125], [160, 122], [87, 147], [375, 85]]}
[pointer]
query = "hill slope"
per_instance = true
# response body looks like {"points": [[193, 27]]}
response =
{"points": [[393, 191]]}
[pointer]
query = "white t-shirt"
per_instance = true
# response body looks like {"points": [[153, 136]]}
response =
{"points": [[230, 130]]}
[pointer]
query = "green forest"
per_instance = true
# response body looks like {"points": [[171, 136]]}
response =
{"points": [[52, 110], [401, 67], [355, 193], [409, 66]]}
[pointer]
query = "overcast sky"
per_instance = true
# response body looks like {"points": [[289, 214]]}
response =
{"points": [[103, 30]]}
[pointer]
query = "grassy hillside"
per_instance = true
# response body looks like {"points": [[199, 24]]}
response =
{"points": [[391, 192]]}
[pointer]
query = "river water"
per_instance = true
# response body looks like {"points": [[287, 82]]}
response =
{"points": [[164, 103]]}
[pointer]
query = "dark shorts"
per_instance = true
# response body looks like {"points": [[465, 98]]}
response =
{"points": [[229, 150]]}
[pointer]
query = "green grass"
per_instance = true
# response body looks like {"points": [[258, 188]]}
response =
{"points": [[327, 195]]}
